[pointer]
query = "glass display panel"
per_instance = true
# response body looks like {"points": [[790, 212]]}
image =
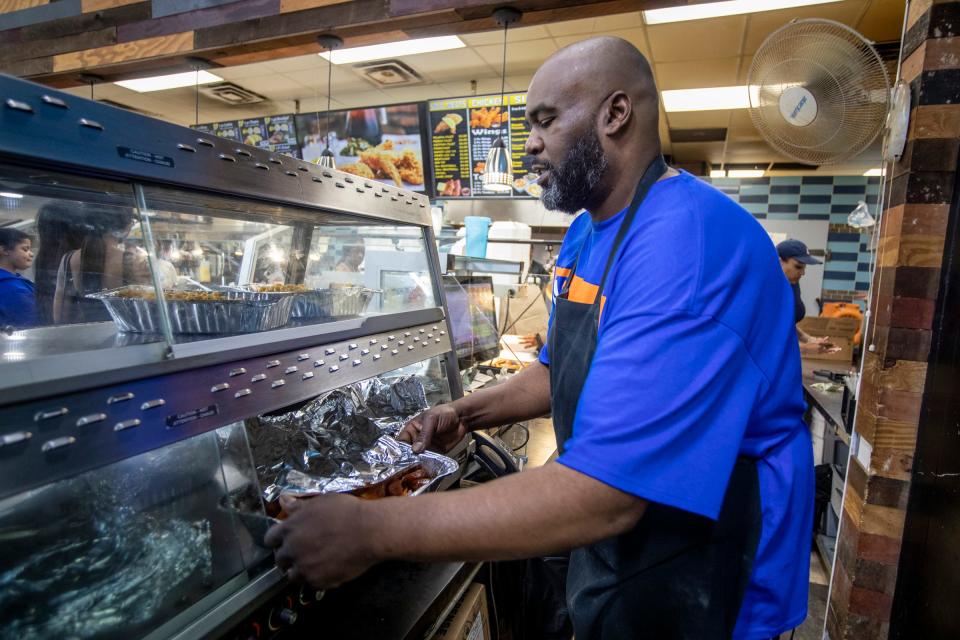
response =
{"points": [[63, 240], [118, 551], [244, 267]]}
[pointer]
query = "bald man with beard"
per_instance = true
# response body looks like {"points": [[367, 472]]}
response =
{"points": [[684, 484]]}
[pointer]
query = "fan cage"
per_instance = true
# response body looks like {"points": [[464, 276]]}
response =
{"points": [[844, 74]]}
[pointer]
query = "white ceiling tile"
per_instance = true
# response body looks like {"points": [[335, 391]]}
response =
{"points": [[617, 22], [243, 71], [719, 72], [697, 39], [883, 20], [571, 27], [265, 85], [297, 63], [763, 24], [521, 55]]}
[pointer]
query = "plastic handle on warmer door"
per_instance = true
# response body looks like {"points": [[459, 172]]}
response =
{"points": [[492, 457]]}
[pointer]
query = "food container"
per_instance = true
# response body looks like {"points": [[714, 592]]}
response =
{"points": [[338, 302], [132, 309]]}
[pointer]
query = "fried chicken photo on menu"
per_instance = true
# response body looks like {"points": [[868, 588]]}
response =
{"points": [[359, 169], [382, 163], [411, 169]]}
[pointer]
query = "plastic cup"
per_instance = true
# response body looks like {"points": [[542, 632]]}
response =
{"points": [[478, 228]]}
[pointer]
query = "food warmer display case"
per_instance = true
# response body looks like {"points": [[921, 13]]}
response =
{"points": [[214, 324]]}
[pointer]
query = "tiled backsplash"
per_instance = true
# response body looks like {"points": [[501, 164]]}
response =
{"points": [[826, 198]]}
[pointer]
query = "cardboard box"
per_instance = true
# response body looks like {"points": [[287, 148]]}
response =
{"points": [[839, 330], [469, 619]]}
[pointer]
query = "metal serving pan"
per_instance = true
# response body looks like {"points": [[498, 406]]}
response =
{"points": [[231, 312], [338, 302]]}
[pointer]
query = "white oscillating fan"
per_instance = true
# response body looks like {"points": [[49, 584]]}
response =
{"points": [[818, 92]]}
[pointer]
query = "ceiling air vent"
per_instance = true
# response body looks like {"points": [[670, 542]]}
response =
{"points": [[230, 93], [697, 135], [389, 73]]}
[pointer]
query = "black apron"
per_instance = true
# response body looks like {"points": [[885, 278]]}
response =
{"points": [[676, 574]]}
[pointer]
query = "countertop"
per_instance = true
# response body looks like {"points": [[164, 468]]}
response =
{"points": [[828, 404]]}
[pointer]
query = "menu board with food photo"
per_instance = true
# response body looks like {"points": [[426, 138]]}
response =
{"points": [[462, 132], [228, 130], [382, 143], [281, 135], [253, 131]]}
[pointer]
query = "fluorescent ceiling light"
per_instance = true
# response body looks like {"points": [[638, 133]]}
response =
{"points": [[745, 173], [720, 9], [877, 171], [10, 194], [718, 173], [171, 81], [393, 49], [709, 99]]}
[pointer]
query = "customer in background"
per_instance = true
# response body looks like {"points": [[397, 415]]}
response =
{"points": [[17, 301], [794, 258], [58, 233], [103, 261]]}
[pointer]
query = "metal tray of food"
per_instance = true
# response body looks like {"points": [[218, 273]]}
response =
{"points": [[335, 302], [134, 309]]}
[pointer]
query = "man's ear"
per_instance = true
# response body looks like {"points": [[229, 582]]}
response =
{"points": [[615, 113]]}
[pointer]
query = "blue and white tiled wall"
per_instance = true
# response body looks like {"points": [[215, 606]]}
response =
{"points": [[826, 198]]}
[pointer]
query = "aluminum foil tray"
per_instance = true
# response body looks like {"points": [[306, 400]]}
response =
{"points": [[336, 302], [240, 312]]}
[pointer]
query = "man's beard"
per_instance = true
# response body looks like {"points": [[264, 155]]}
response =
{"points": [[572, 182]]}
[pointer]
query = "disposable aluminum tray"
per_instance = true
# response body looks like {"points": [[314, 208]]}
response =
{"points": [[330, 303], [240, 312]]}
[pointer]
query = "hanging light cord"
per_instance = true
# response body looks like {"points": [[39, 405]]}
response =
{"points": [[503, 73], [326, 116]]}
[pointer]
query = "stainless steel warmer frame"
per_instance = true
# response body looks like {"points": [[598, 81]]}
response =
{"points": [[147, 396]]}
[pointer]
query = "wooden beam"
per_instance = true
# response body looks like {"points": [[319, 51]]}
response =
{"points": [[89, 6], [9, 6], [289, 6], [125, 52]]}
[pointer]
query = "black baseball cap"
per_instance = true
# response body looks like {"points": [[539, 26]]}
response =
{"points": [[796, 250]]}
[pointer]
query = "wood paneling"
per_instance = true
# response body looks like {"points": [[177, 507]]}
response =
{"points": [[9, 6], [195, 20], [287, 6], [935, 121], [136, 50], [44, 48], [90, 6]]}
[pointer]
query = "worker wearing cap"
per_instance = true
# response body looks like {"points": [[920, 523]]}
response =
{"points": [[794, 258]]}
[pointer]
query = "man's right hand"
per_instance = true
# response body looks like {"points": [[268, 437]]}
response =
{"points": [[437, 428]]}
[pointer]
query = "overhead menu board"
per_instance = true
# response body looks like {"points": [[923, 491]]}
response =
{"points": [[379, 143], [228, 130], [273, 133], [462, 130]]}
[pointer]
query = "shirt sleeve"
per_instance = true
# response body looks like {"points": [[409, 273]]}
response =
{"points": [[21, 305], [664, 409]]}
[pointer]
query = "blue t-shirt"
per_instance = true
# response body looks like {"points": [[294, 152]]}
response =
{"points": [[18, 303], [696, 364]]}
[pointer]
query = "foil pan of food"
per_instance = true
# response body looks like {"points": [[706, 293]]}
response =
{"points": [[335, 302], [337, 443], [134, 309]]}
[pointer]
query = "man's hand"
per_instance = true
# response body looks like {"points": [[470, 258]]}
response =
{"points": [[440, 428], [529, 341], [322, 541]]}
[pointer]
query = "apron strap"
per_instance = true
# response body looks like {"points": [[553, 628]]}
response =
{"points": [[650, 176]]}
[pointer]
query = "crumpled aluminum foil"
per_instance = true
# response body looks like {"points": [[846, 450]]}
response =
{"points": [[338, 442]]}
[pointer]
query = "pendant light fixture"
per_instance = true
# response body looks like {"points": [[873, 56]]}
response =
{"points": [[498, 170], [328, 42]]}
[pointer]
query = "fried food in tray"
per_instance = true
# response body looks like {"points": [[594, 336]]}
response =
{"points": [[279, 288], [383, 161], [145, 293]]}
